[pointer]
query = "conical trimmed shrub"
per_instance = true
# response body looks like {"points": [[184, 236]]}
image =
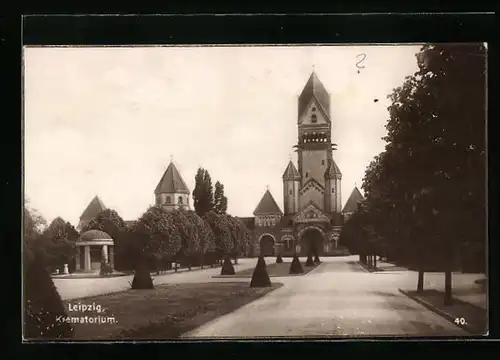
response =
{"points": [[44, 313], [296, 266], [309, 261], [316, 259], [227, 267], [260, 277], [279, 259], [142, 278]]}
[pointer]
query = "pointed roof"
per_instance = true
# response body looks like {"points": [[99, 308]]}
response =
{"points": [[291, 172], [93, 209], [314, 88], [171, 182], [267, 205], [352, 203], [332, 170]]}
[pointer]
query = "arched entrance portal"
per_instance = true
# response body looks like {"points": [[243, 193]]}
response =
{"points": [[266, 245], [312, 241]]}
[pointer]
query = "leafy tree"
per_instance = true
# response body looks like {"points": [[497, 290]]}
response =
{"points": [[108, 221], [204, 241], [187, 226], [203, 193], [209, 191], [43, 307], [431, 176], [239, 234], [223, 204], [113, 224], [157, 235], [221, 229], [199, 192], [33, 223], [220, 201], [56, 245], [454, 77]]}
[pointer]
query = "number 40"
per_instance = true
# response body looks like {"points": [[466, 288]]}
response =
{"points": [[460, 321]]}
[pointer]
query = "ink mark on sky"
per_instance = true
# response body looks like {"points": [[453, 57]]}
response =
{"points": [[360, 58]]}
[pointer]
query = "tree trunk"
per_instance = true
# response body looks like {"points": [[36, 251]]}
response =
{"points": [[202, 260], [420, 283], [175, 267], [447, 287], [375, 261]]}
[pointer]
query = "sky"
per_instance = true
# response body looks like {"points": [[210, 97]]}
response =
{"points": [[107, 121]]}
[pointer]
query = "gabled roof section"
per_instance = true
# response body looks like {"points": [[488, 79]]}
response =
{"points": [[354, 199], [93, 209], [291, 172], [267, 206], [314, 88], [311, 207], [312, 182], [171, 182], [332, 170]]}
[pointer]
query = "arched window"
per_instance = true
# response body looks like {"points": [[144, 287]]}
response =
{"points": [[333, 190], [179, 200], [314, 118], [322, 162], [307, 174], [290, 191], [167, 200]]}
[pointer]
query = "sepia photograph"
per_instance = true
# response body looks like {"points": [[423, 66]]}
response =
{"points": [[254, 192]]}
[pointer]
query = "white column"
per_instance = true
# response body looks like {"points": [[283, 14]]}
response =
{"points": [[105, 253], [78, 265], [88, 266], [112, 256]]}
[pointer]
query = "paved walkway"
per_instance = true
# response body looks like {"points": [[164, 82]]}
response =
{"points": [[73, 288], [464, 286], [338, 298]]}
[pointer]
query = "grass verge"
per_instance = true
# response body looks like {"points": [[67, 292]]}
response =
{"points": [[467, 316], [273, 269], [165, 312]]}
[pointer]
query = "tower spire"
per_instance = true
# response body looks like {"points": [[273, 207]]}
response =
{"points": [[171, 158]]}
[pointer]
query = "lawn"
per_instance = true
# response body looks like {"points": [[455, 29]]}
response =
{"points": [[273, 269], [470, 317], [165, 312]]}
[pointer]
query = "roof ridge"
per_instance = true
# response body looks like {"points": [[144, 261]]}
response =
{"points": [[355, 197], [291, 172], [171, 181], [267, 205]]}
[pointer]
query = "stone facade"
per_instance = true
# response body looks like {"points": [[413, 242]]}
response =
{"points": [[312, 216]]}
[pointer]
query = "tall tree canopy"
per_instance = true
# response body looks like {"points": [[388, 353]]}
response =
{"points": [[220, 201], [203, 194], [157, 234], [56, 245], [427, 189]]}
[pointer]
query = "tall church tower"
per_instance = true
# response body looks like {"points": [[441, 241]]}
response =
{"points": [[320, 176]]}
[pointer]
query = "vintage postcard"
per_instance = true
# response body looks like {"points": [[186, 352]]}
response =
{"points": [[249, 192]]}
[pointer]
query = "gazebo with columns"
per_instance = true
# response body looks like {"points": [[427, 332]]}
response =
{"points": [[92, 247]]}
